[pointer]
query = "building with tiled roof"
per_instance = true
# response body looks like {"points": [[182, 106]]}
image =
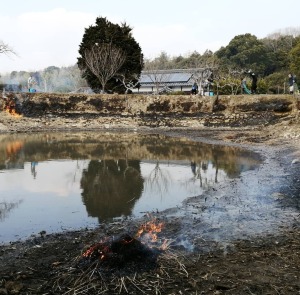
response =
{"points": [[170, 80]]}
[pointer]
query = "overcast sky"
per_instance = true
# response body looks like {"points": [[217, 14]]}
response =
{"points": [[48, 32]]}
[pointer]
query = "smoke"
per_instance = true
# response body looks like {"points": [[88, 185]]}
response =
{"points": [[51, 79], [240, 209]]}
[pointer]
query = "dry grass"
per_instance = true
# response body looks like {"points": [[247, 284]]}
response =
{"points": [[92, 278]]}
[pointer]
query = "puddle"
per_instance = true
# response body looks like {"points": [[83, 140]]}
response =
{"points": [[56, 182]]}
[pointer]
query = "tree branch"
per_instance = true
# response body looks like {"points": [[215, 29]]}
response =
{"points": [[104, 60], [6, 49]]}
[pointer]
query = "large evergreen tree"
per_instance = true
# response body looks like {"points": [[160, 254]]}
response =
{"points": [[294, 58], [278, 47], [245, 52], [119, 36]]}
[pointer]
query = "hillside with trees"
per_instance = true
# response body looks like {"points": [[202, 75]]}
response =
{"points": [[271, 59]]}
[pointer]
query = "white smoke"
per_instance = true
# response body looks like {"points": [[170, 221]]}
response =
{"points": [[50, 79]]}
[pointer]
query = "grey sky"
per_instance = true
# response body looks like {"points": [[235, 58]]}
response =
{"points": [[48, 32]]}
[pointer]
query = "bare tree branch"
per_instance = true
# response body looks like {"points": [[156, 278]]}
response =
{"points": [[229, 78], [200, 76], [156, 75], [104, 60], [6, 49], [129, 84]]}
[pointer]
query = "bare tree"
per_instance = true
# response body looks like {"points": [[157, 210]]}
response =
{"points": [[201, 76], [128, 84], [129, 80], [104, 60], [49, 78], [6, 49], [158, 76], [229, 78], [203, 69]]}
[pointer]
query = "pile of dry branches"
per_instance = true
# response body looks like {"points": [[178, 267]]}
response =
{"points": [[93, 278]]}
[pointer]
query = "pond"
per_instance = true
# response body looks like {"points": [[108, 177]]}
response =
{"points": [[64, 181]]}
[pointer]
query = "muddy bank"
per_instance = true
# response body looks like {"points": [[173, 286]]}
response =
{"points": [[233, 262], [153, 111]]}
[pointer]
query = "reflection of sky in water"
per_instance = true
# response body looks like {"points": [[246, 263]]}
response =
{"points": [[169, 184], [60, 178], [67, 194], [55, 182], [52, 199], [50, 202]]}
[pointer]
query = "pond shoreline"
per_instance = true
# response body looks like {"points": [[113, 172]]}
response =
{"points": [[265, 264]]}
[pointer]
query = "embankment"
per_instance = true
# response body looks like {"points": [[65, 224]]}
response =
{"points": [[156, 111]]}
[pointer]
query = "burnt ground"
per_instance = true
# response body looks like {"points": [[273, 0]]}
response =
{"points": [[267, 262]]}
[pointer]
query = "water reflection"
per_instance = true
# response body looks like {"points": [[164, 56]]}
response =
{"points": [[33, 169], [158, 180], [111, 187], [14, 157], [6, 207], [69, 180]]}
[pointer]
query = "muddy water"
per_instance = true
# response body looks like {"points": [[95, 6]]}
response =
{"points": [[55, 182]]}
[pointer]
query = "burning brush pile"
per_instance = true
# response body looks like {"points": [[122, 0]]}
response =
{"points": [[130, 264], [130, 252], [10, 105]]}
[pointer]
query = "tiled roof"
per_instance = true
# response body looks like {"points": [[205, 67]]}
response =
{"points": [[173, 77], [165, 77]]}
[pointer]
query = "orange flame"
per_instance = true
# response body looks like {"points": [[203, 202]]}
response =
{"points": [[147, 234], [10, 108], [99, 248], [151, 229], [13, 113]]}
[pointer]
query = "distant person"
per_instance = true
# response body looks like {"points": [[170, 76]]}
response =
{"points": [[292, 82], [254, 81], [30, 83], [195, 88], [245, 90], [296, 89]]}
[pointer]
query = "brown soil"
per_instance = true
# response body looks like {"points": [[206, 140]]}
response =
{"points": [[263, 264]]}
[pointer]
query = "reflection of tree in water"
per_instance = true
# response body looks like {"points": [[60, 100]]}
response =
{"points": [[158, 180], [111, 187], [6, 207], [200, 170]]}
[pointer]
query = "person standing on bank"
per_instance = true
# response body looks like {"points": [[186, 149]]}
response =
{"points": [[296, 90], [291, 83], [195, 88], [30, 83], [254, 81], [245, 90]]}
